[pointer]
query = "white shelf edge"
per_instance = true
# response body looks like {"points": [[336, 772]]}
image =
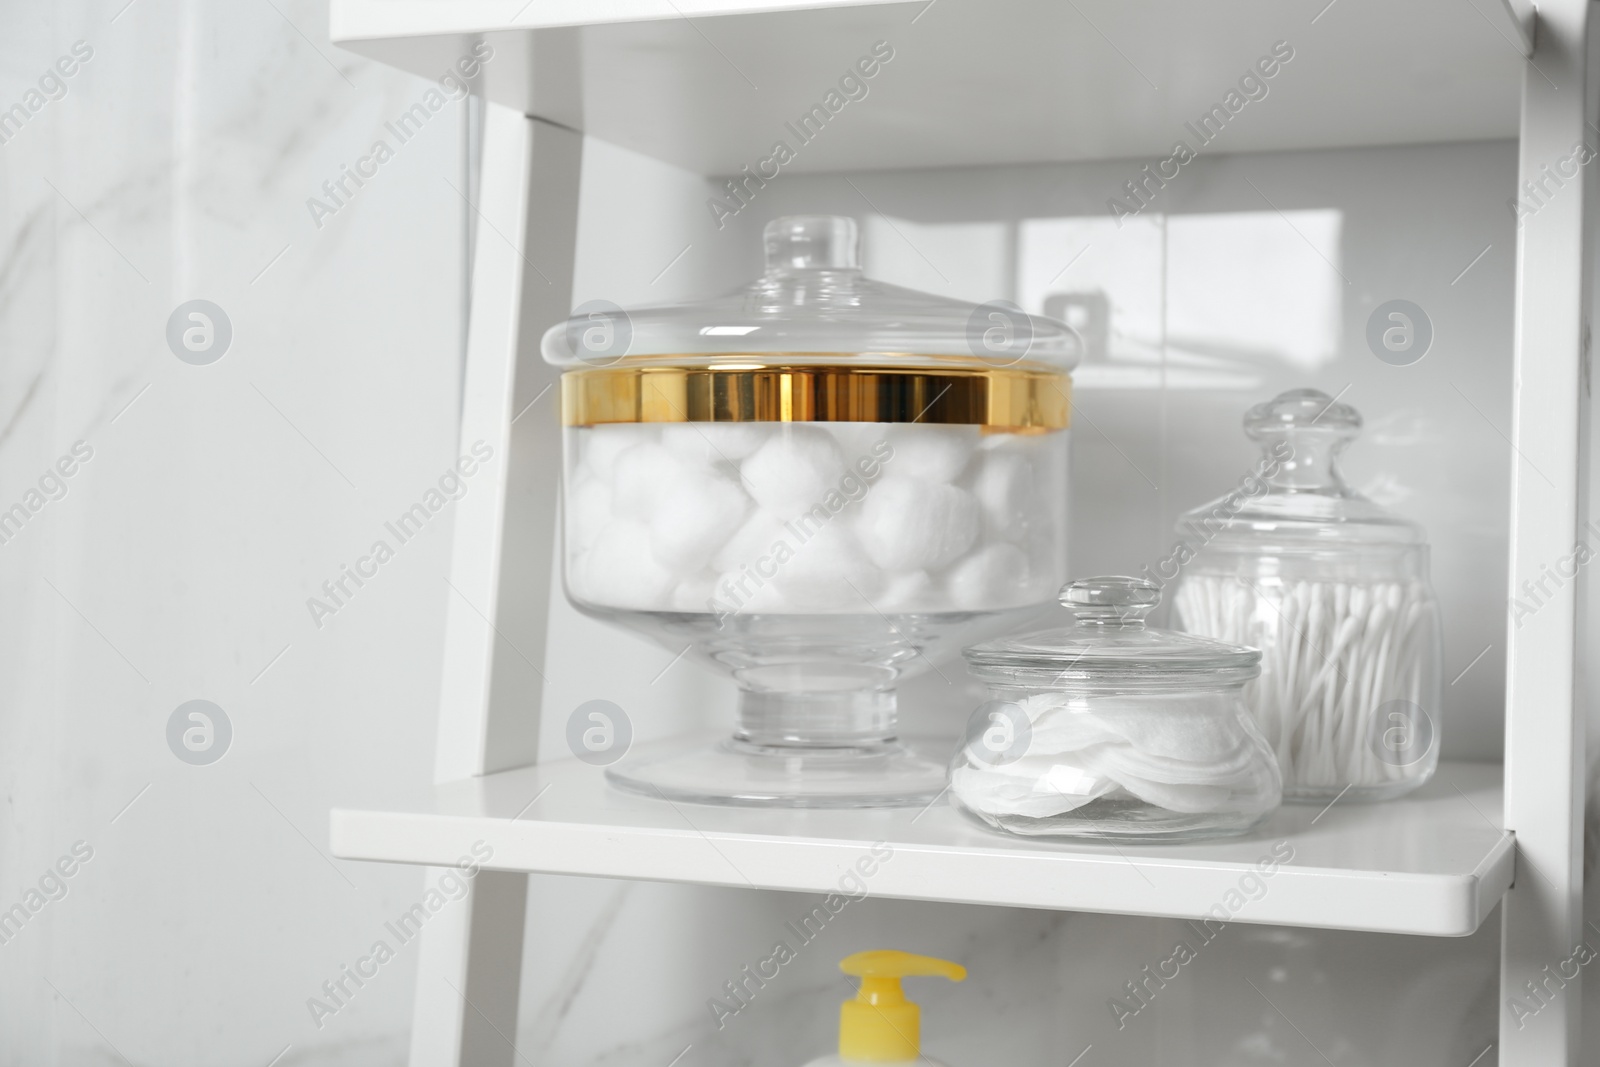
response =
{"points": [[593, 832]]}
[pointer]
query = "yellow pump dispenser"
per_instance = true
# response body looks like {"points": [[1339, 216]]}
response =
{"points": [[880, 1025]]}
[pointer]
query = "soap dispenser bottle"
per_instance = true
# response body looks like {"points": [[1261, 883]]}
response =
{"points": [[880, 1026]]}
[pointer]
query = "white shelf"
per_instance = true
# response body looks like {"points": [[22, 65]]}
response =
{"points": [[709, 84], [1432, 863]]}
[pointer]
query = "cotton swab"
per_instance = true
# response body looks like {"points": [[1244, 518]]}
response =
{"points": [[1333, 654]]}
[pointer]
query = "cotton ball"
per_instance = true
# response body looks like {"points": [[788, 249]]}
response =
{"points": [[995, 576], [910, 524], [713, 442], [1004, 488], [641, 478], [789, 474], [588, 511], [576, 573], [997, 442], [937, 453], [599, 446], [694, 594], [746, 592], [860, 441], [1020, 443], [694, 518], [620, 570], [751, 542], [830, 572], [911, 591]]}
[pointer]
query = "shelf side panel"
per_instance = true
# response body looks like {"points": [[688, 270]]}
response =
{"points": [[525, 216], [1543, 915]]}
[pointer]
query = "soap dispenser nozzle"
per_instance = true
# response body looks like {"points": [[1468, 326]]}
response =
{"points": [[880, 1025]]}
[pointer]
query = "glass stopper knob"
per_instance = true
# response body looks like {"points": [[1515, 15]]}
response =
{"points": [[1113, 599], [811, 242]]}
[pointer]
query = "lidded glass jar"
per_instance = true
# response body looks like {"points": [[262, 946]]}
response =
{"points": [[1110, 729], [817, 483], [1334, 591]]}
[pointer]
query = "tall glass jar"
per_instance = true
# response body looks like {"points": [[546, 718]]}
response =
{"points": [[1334, 590], [817, 483]]}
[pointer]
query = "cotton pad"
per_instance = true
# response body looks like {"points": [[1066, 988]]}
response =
{"points": [[1205, 729], [984, 791], [909, 524], [1184, 799], [1062, 731], [1184, 753], [790, 473]]}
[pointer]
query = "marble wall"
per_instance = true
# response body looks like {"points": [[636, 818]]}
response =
{"points": [[220, 495], [212, 498]]}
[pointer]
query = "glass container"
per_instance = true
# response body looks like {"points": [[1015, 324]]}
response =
{"points": [[1110, 729], [818, 484], [1334, 591]]}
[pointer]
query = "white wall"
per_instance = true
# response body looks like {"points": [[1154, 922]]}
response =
{"points": [[179, 563]]}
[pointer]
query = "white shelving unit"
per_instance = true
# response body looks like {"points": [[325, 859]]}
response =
{"points": [[982, 83]]}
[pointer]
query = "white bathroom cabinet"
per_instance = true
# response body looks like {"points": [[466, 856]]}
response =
{"points": [[701, 84]]}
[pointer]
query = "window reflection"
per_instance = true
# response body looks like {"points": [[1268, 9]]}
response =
{"points": [[1244, 292], [1236, 297]]}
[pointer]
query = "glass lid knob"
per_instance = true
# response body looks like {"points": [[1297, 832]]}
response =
{"points": [[1303, 431], [1112, 600], [1301, 410], [811, 242]]}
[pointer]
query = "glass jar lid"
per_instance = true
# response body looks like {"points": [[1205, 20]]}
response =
{"points": [[813, 305], [1296, 496], [1109, 641]]}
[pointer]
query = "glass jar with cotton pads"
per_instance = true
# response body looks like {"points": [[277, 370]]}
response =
{"points": [[818, 484], [1110, 729], [1334, 590]]}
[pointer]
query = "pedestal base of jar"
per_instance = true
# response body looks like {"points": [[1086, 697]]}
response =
{"points": [[729, 771]]}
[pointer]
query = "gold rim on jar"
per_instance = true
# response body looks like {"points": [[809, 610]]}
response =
{"points": [[1018, 399]]}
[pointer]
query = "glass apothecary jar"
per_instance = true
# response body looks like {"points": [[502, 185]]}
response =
{"points": [[1109, 729], [817, 483], [1334, 591]]}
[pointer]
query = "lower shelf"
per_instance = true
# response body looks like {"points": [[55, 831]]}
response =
{"points": [[1436, 862]]}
